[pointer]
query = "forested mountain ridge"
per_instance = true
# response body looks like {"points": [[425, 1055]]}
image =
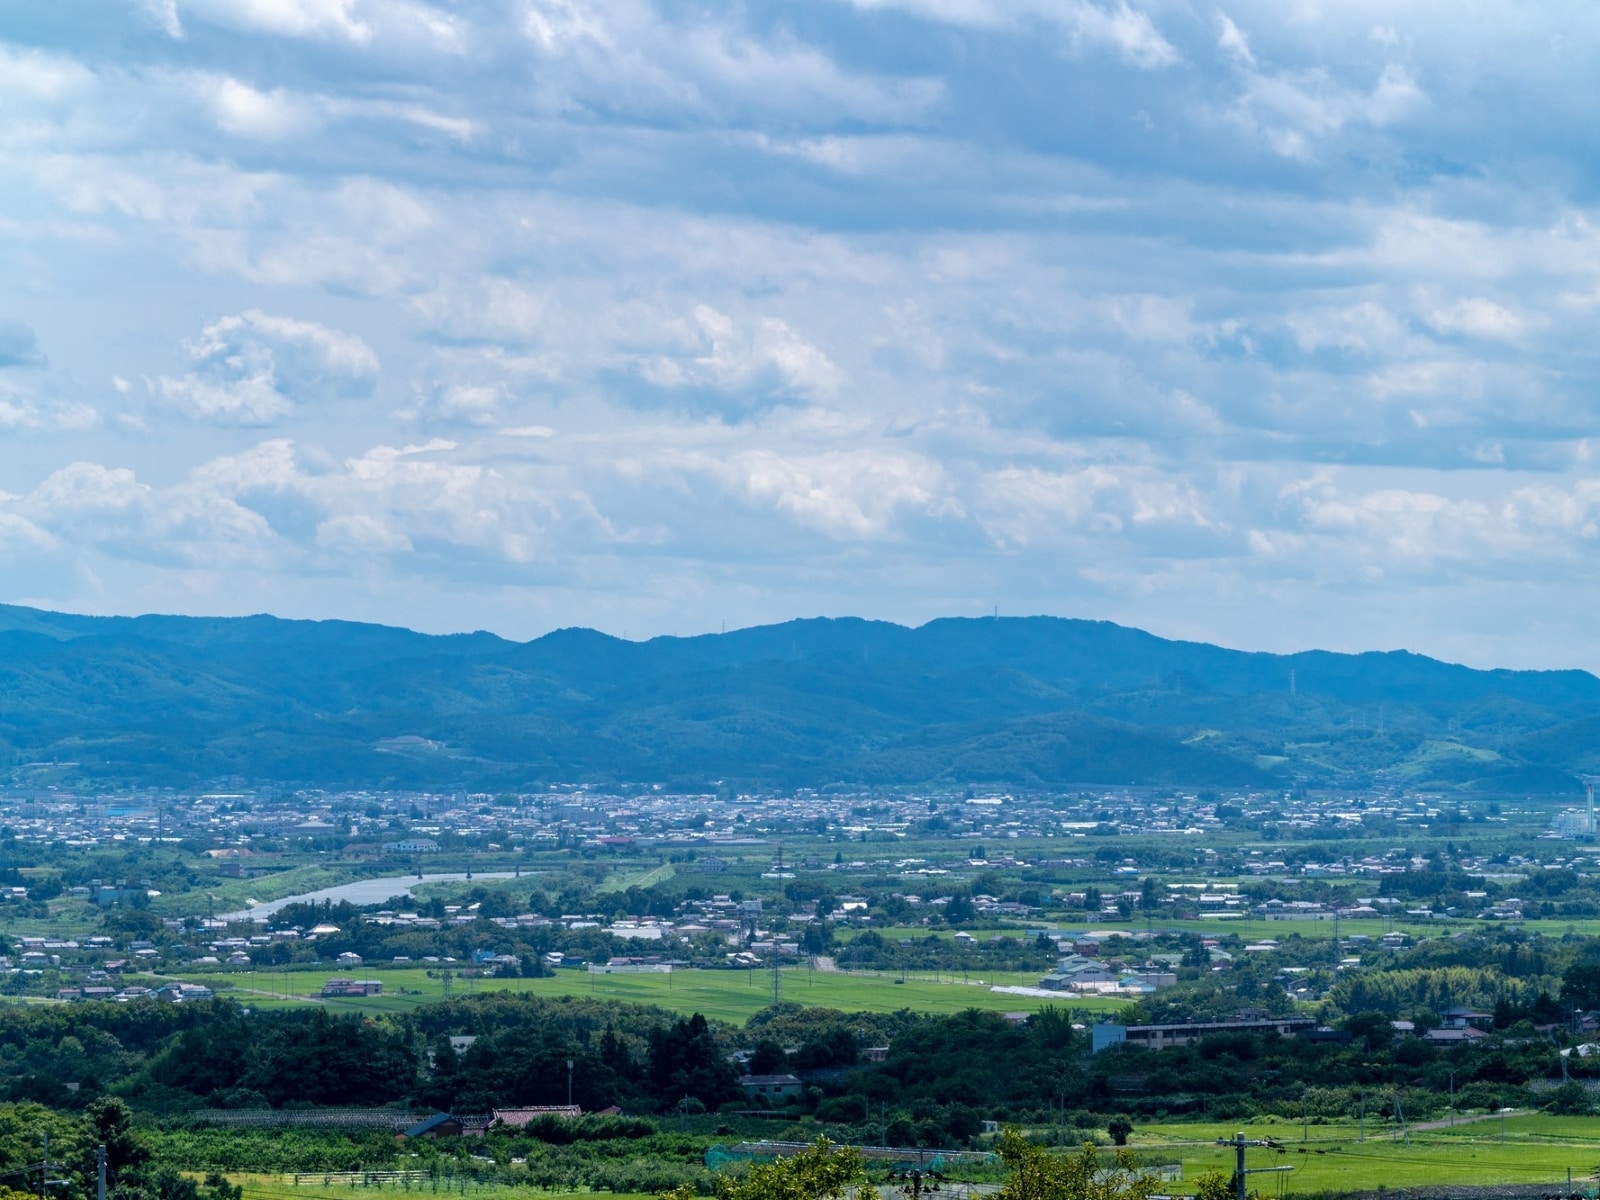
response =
{"points": [[1037, 701]]}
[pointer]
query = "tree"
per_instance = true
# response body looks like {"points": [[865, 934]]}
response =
{"points": [[1213, 1185], [1569, 1100], [1037, 1175], [685, 1060], [1580, 986], [110, 1124], [768, 1058], [1120, 1129], [1150, 890], [1372, 1030], [816, 937], [959, 909], [819, 1172]]}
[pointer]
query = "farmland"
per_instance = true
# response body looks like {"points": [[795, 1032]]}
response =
{"points": [[278, 1187], [1520, 1149], [725, 995]]}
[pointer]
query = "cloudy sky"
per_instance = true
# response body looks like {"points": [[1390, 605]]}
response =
{"points": [[1271, 323]]}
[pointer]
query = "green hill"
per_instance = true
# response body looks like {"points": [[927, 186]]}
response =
{"points": [[1025, 701]]}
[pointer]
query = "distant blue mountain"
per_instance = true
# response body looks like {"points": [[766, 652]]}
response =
{"points": [[1028, 702]]}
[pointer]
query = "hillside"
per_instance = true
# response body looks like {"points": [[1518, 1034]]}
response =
{"points": [[1026, 701]]}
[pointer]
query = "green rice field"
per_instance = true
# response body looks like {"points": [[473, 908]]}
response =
{"points": [[1521, 1149], [727, 995]]}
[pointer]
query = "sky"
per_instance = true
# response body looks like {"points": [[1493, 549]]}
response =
{"points": [[1271, 323]]}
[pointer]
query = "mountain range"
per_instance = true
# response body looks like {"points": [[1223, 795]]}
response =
{"points": [[1023, 702]]}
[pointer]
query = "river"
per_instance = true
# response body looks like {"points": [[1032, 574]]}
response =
{"points": [[363, 891]]}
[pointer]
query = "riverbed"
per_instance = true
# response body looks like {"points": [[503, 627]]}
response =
{"points": [[362, 891]]}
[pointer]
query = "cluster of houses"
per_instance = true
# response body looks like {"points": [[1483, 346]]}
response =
{"points": [[352, 987], [1114, 977], [171, 993], [1457, 1025]]}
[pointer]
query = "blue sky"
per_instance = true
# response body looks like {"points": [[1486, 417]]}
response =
{"points": [[1271, 324]]}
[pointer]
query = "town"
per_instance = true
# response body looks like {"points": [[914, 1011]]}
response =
{"points": [[1378, 962]]}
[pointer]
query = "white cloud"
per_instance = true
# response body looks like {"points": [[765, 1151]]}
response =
{"points": [[38, 76], [846, 495], [466, 403], [271, 115], [701, 295], [109, 508], [357, 534], [31, 411], [1477, 317], [1125, 30], [250, 369], [758, 354], [557, 24], [1296, 109], [631, 56], [165, 15], [338, 19], [1232, 41]]}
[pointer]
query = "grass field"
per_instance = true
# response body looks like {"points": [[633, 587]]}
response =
{"points": [[280, 1187], [621, 881], [728, 995], [1535, 1149]]}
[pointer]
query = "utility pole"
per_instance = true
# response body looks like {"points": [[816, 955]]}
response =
{"points": [[1453, 1098], [569, 1083], [100, 1173], [1240, 1171]]}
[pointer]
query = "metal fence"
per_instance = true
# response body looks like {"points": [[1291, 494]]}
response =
{"points": [[307, 1118], [405, 1180], [910, 1155]]}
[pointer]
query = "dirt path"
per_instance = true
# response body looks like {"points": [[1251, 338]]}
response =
{"points": [[1424, 1126]]}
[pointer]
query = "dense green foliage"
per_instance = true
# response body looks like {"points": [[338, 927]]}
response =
{"points": [[133, 1172], [941, 1078], [819, 1172], [1036, 1175]]}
